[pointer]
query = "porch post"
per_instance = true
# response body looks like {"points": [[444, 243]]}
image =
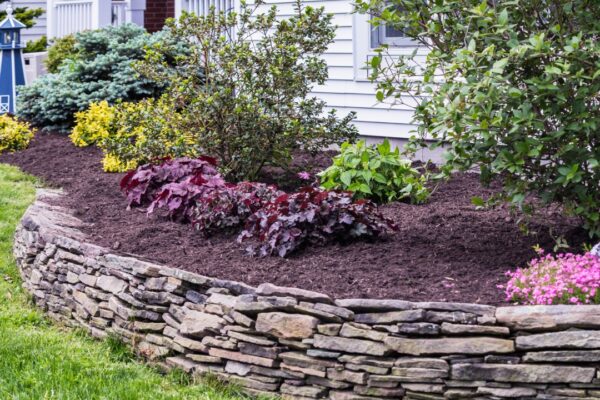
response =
{"points": [[50, 18], [135, 12], [179, 8], [101, 13]]}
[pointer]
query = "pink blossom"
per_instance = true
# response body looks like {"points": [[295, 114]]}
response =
{"points": [[560, 279], [304, 176]]}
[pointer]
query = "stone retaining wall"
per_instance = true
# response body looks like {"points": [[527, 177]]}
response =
{"points": [[303, 344]]}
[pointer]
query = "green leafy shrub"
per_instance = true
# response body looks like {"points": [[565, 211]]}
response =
{"points": [[36, 46], [510, 87], [62, 49], [247, 101], [102, 70], [375, 172], [14, 134]]}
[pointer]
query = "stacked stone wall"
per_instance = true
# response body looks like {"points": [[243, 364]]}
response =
{"points": [[301, 344]]}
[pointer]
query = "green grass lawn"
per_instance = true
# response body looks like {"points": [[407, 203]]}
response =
{"points": [[39, 360]]}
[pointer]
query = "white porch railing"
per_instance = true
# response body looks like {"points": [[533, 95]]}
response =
{"points": [[202, 7], [119, 13], [70, 16]]}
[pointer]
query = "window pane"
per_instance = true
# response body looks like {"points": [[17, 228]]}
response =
{"points": [[392, 32]]}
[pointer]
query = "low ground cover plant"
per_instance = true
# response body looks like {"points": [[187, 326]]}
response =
{"points": [[100, 70], [509, 87], [191, 190], [375, 172], [311, 216], [247, 102], [228, 208], [556, 279], [142, 185], [14, 134]]}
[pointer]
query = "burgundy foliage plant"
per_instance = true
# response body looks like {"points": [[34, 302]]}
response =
{"points": [[192, 190], [229, 207], [312, 216], [143, 185]]}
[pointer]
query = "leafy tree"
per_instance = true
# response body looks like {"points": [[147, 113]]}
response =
{"points": [[510, 86], [25, 15], [244, 88]]}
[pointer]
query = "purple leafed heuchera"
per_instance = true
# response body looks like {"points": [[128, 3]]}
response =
{"points": [[142, 185], [556, 279], [230, 206], [312, 216], [192, 190]]}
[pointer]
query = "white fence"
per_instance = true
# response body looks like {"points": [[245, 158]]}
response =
{"points": [[70, 16], [119, 13], [202, 7]]}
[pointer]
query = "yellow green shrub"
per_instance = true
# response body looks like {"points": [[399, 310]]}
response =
{"points": [[93, 124], [112, 163], [145, 131], [14, 134], [131, 134]]}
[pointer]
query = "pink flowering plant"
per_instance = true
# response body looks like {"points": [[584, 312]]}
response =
{"points": [[556, 279]]}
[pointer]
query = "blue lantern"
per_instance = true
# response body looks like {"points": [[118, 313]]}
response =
{"points": [[12, 72]]}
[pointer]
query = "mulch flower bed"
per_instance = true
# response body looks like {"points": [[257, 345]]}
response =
{"points": [[445, 250]]}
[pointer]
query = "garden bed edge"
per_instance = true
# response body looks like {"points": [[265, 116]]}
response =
{"points": [[299, 343]]}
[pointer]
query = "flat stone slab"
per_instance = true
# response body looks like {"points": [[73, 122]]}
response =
{"points": [[522, 373], [355, 346], [287, 326], [560, 340], [469, 346], [566, 356], [549, 317]]}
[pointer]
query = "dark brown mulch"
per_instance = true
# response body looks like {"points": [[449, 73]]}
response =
{"points": [[445, 250]]}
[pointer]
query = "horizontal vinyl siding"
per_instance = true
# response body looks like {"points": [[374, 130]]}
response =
{"points": [[343, 91], [39, 29]]}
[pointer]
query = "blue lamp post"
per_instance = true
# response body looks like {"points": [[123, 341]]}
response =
{"points": [[12, 72]]}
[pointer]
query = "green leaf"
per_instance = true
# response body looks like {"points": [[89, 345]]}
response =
{"points": [[498, 67], [477, 201], [346, 178], [503, 17], [364, 188]]}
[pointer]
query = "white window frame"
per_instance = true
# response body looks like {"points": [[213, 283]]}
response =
{"points": [[364, 45], [379, 38]]}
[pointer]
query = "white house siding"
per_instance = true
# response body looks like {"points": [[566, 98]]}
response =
{"points": [[39, 29], [348, 88]]}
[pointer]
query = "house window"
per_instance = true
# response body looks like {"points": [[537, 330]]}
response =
{"points": [[367, 38], [390, 36]]}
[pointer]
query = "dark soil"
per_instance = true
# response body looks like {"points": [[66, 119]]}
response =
{"points": [[445, 250]]}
